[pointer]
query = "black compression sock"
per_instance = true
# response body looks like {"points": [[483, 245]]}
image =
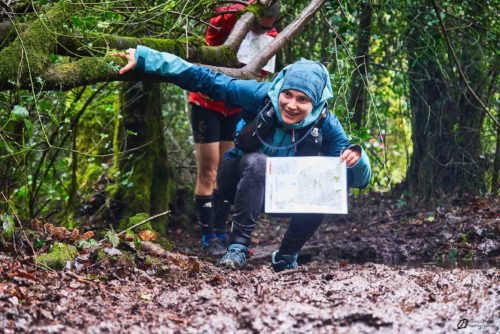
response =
{"points": [[222, 207], [205, 213]]}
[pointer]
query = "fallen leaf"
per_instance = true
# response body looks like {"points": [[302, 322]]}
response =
{"points": [[49, 228], [112, 251], [147, 235], [60, 233], [343, 263], [75, 234], [175, 318], [217, 279], [22, 274], [127, 236], [194, 266], [36, 224], [46, 314], [87, 235], [146, 296]]}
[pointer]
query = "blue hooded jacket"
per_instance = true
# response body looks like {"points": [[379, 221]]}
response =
{"points": [[251, 96]]}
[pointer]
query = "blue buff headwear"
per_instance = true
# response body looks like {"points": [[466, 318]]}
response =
{"points": [[308, 77]]}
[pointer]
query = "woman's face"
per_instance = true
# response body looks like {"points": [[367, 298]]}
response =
{"points": [[294, 106]]}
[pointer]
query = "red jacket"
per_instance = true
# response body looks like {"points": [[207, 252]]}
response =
{"points": [[215, 37]]}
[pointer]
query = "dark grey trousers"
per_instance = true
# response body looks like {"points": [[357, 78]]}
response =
{"points": [[242, 182]]}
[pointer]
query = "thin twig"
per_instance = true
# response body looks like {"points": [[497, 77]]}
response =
{"points": [[194, 18], [137, 225], [144, 221], [455, 59]]}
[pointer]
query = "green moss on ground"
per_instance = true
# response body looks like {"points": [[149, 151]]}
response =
{"points": [[58, 255]]}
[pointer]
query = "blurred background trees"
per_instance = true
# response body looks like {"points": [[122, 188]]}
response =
{"points": [[419, 93]]}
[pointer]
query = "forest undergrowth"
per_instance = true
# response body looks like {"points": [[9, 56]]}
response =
{"points": [[382, 267]]}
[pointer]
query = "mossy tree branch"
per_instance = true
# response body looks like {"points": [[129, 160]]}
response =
{"points": [[28, 55], [32, 48]]}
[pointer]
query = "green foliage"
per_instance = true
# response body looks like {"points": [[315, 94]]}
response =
{"points": [[59, 151], [87, 244], [135, 238], [136, 219], [56, 258], [137, 242], [19, 113], [8, 226], [452, 255], [113, 238]]}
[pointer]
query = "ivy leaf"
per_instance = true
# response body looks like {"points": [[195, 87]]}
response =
{"points": [[115, 67], [22, 192], [39, 243], [19, 113], [84, 23], [113, 238], [7, 226], [76, 22], [137, 242], [29, 127], [452, 255]]}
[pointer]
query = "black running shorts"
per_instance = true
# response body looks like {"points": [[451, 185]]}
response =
{"points": [[210, 126]]}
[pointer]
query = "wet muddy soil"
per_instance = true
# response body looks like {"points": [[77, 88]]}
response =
{"points": [[353, 278]]}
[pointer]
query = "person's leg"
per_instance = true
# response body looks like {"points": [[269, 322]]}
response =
{"points": [[221, 204], [300, 230], [207, 158], [249, 198], [206, 132], [248, 201]]}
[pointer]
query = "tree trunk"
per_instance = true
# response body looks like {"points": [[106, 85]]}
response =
{"points": [[446, 123], [496, 165], [145, 178], [357, 102]]}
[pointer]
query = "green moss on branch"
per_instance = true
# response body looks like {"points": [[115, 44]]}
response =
{"points": [[28, 55]]}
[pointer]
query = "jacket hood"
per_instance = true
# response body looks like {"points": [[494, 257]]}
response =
{"points": [[313, 77]]}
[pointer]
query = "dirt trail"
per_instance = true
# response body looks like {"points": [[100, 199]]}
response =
{"points": [[329, 293], [331, 297]]}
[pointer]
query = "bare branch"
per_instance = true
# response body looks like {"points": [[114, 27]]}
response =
{"points": [[242, 27], [457, 63], [252, 69]]}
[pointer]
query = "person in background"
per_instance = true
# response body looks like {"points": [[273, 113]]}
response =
{"points": [[213, 126], [286, 117]]}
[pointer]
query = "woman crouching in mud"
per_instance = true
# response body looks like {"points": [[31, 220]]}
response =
{"points": [[292, 120]]}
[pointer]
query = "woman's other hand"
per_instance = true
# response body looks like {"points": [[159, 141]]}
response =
{"points": [[350, 156], [129, 56]]}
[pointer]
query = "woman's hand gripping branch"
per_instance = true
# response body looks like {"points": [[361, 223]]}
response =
{"points": [[129, 56]]}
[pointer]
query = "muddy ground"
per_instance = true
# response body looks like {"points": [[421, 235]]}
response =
{"points": [[380, 269]]}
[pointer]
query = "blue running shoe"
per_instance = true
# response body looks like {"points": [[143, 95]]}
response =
{"points": [[282, 262], [235, 257]]}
